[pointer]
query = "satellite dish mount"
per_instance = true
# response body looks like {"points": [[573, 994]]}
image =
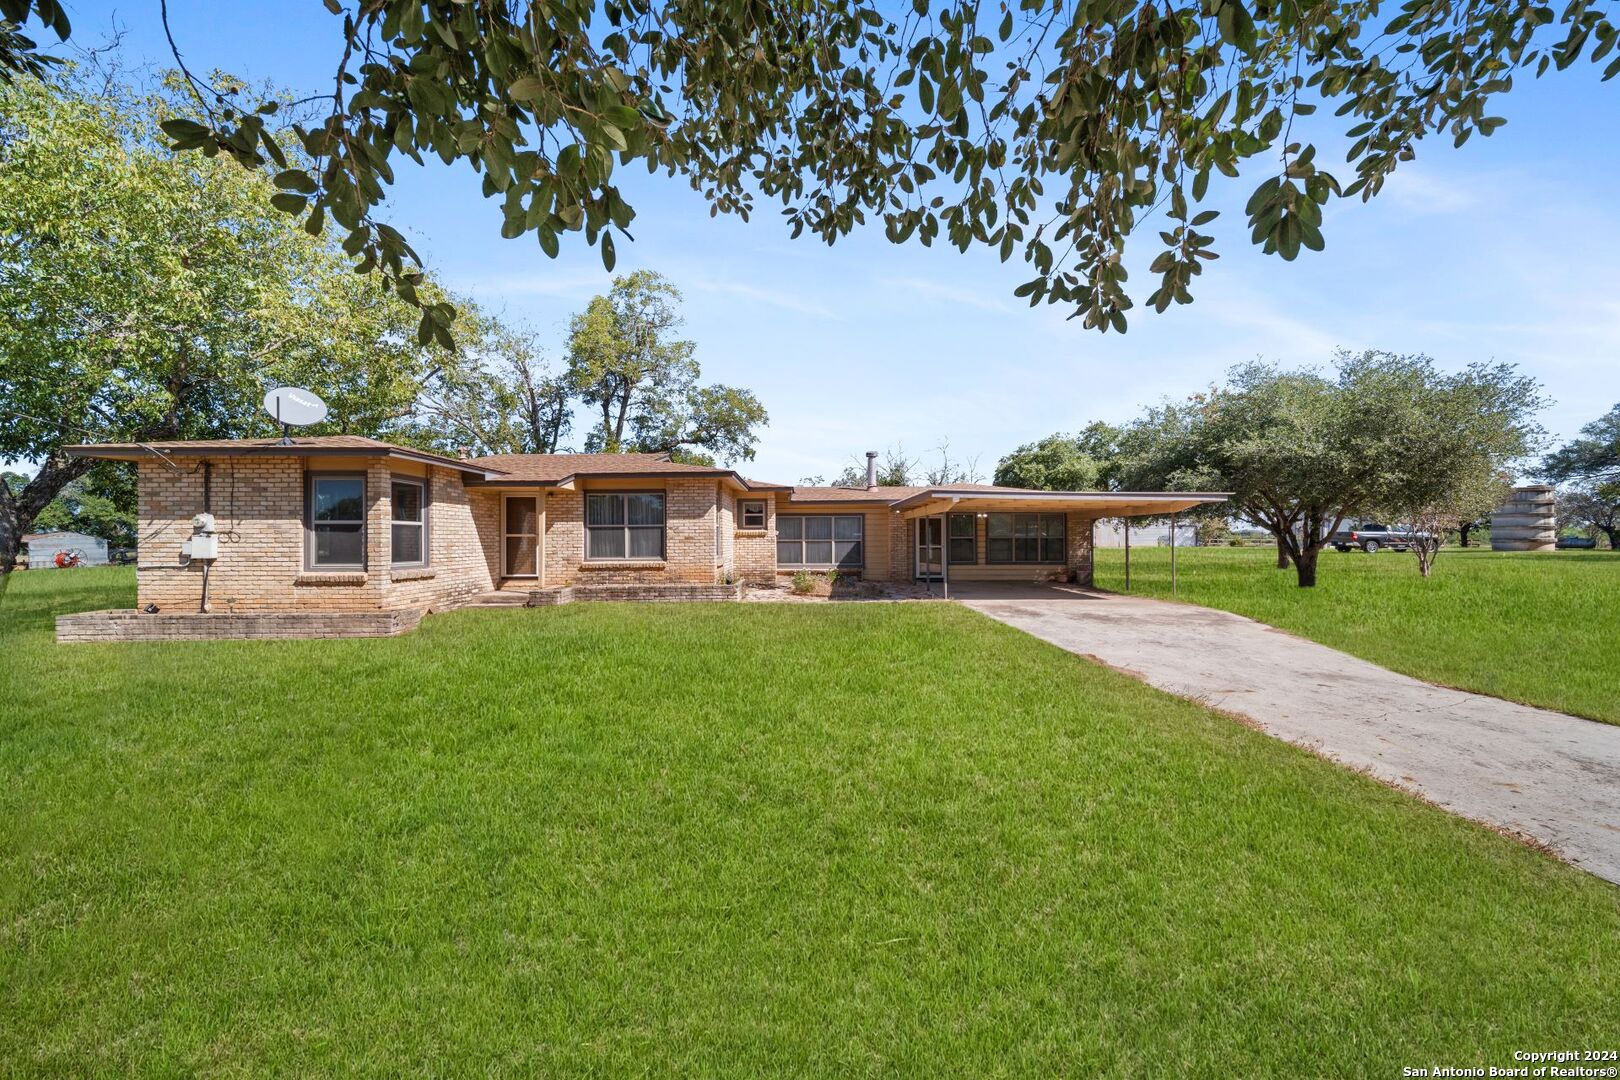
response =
{"points": [[292, 406]]}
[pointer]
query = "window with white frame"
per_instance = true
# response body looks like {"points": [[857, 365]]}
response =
{"points": [[624, 525], [408, 529], [820, 541], [1016, 538], [753, 514], [336, 516]]}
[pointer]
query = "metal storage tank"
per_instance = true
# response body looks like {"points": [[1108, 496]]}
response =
{"points": [[1528, 521]]}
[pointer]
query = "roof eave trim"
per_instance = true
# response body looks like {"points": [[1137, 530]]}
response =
{"points": [[935, 494], [137, 451]]}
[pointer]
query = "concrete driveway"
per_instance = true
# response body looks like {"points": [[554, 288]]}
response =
{"points": [[1547, 775]]}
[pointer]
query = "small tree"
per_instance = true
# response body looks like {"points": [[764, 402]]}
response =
{"points": [[1430, 520]]}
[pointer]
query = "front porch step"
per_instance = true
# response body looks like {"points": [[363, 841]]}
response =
{"points": [[500, 598]]}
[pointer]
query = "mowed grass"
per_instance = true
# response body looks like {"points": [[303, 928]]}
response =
{"points": [[729, 840], [1537, 627]]}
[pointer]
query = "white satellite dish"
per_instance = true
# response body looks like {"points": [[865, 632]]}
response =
{"points": [[291, 405]]}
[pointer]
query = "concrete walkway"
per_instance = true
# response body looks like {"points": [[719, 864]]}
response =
{"points": [[1544, 774]]}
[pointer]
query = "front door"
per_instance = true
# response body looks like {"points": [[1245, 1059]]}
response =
{"points": [[520, 556], [930, 549]]}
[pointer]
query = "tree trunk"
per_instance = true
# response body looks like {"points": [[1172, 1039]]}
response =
{"points": [[1614, 537], [18, 511], [1282, 554], [1462, 533], [10, 532], [1306, 565]]}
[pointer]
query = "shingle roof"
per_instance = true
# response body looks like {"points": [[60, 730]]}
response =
{"points": [[302, 445], [852, 494], [550, 468]]}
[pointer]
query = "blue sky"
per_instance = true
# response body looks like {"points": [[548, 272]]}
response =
{"points": [[1501, 251]]}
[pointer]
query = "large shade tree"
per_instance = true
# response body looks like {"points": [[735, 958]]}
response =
{"points": [[145, 296], [1056, 130], [1301, 451], [627, 364]]}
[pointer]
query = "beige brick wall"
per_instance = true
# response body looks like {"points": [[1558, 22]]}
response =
{"points": [[690, 512], [258, 504], [755, 549]]}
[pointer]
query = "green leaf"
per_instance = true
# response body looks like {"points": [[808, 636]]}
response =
{"points": [[528, 88], [288, 202], [184, 129], [296, 180], [608, 257]]}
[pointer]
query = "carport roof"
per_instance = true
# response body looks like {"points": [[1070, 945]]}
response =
{"points": [[939, 500]]}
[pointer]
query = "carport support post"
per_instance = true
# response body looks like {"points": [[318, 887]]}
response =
{"points": [[1174, 543], [944, 558], [1127, 521]]}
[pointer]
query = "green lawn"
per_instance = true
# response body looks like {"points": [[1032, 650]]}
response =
{"points": [[1541, 628], [736, 840]]}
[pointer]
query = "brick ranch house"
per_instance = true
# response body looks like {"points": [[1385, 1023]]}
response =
{"points": [[349, 535]]}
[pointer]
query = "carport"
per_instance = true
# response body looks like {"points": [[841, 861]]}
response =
{"points": [[940, 504]]}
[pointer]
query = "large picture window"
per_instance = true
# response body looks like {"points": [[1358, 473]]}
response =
{"points": [[624, 525], [408, 532], [820, 541], [336, 514], [964, 539], [1032, 538]]}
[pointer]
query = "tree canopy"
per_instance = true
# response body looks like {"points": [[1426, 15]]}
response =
{"points": [[145, 296], [627, 364], [1083, 462], [1593, 458], [1054, 130]]}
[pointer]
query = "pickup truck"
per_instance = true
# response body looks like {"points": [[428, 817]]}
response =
{"points": [[1372, 537]]}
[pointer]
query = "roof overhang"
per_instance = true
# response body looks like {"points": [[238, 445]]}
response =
{"points": [[145, 452], [1094, 503], [573, 480]]}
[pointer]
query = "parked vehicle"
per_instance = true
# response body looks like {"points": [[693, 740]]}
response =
{"points": [[1582, 542], [1372, 537]]}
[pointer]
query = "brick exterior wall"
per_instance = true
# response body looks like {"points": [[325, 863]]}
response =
{"points": [[258, 506], [690, 511], [1078, 527], [754, 556], [88, 627]]}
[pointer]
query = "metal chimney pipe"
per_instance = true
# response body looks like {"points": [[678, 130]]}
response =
{"points": [[871, 469]]}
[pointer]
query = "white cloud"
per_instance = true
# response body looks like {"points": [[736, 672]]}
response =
{"points": [[948, 294], [566, 285], [778, 298]]}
